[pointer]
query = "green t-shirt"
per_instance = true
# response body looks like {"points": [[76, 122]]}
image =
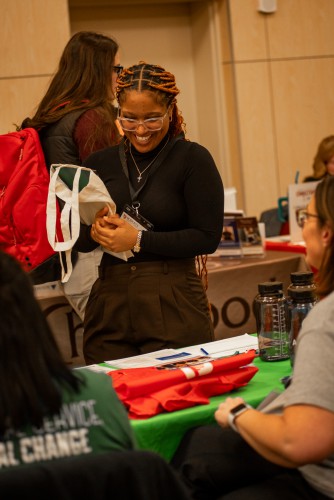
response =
{"points": [[91, 421]]}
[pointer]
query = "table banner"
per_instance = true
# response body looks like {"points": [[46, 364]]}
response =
{"points": [[149, 391]]}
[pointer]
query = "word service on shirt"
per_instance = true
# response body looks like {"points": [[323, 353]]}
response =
{"points": [[63, 435]]}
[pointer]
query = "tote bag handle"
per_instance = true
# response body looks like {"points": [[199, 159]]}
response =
{"points": [[69, 218]]}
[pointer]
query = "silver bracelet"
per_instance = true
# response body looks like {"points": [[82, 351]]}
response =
{"points": [[136, 247]]}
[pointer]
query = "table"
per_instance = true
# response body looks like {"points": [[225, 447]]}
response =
{"points": [[164, 432], [232, 288]]}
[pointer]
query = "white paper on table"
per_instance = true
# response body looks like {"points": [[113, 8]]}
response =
{"points": [[216, 349], [226, 347], [149, 359]]}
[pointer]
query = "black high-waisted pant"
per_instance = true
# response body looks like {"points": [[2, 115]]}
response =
{"points": [[143, 307]]}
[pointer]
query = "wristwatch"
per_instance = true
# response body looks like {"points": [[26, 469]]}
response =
{"points": [[235, 412], [136, 248]]}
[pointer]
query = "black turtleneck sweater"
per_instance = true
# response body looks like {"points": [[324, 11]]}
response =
{"points": [[183, 198]]}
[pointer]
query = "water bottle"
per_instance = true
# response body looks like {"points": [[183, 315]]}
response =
{"points": [[301, 279], [301, 301], [271, 310]]}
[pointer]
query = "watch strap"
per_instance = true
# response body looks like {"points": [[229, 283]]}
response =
{"points": [[235, 412]]}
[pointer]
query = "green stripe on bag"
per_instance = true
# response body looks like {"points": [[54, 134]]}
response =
{"points": [[67, 176]]}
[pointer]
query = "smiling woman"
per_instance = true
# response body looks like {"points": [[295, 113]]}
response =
{"points": [[170, 207]]}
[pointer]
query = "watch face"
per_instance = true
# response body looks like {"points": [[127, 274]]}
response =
{"points": [[236, 409]]}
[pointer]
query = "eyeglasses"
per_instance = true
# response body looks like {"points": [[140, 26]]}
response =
{"points": [[118, 69], [303, 215], [130, 124]]}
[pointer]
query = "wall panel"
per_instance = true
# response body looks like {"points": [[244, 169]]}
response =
{"points": [[301, 28], [248, 29], [256, 136], [32, 36], [282, 69], [21, 96], [304, 102]]}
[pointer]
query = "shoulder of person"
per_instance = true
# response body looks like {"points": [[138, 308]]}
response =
{"points": [[64, 126], [195, 152], [94, 115], [102, 155], [319, 319], [94, 379]]}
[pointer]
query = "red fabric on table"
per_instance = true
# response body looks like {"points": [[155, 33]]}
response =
{"points": [[150, 391], [285, 246]]}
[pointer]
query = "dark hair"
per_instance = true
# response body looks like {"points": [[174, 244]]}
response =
{"points": [[324, 202], [32, 371], [82, 81], [152, 78]]}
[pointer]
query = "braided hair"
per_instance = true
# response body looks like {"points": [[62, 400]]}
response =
{"points": [[152, 78]]}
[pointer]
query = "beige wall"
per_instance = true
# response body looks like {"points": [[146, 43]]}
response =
{"points": [[278, 72], [32, 36], [256, 89]]}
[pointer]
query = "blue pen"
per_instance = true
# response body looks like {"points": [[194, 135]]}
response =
{"points": [[204, 351]]}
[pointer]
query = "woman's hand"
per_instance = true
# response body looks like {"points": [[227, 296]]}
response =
{"points": [[112, 232], [221, 414]]}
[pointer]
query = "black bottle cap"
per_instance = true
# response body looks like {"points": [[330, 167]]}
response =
{"points": [[270, 287], [301, 278]]}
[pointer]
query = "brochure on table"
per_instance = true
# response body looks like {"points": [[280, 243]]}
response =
{"points": [[196, 353], [241, 237], [299, 197]]}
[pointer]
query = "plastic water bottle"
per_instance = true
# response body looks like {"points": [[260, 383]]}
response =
{"points": [[271, 312], [301, 301], [301, 279]]}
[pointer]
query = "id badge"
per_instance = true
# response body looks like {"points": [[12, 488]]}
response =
{"points": [[132, 216]]}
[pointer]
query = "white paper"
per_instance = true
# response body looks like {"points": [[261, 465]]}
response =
{"points": [[216, 349]]}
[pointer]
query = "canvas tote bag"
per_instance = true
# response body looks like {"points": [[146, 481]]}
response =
{"points": [[80, 193]]}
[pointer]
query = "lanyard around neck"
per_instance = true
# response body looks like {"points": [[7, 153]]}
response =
{"points": [[121, 148]]}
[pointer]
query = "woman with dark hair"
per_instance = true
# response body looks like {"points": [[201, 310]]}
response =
{"points": [[47, 410], [170, 206], [286, 450], [75, 118]]}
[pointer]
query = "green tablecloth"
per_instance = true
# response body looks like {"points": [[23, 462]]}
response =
{"points": [[163, 432]]}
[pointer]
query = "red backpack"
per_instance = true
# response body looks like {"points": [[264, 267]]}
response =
{"points": [[24, 183]]}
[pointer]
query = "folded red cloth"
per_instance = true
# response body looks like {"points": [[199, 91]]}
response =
{"points": [[150, 391]]}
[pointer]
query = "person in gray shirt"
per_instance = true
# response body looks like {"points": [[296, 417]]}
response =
{"points": [[286, 449]]}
